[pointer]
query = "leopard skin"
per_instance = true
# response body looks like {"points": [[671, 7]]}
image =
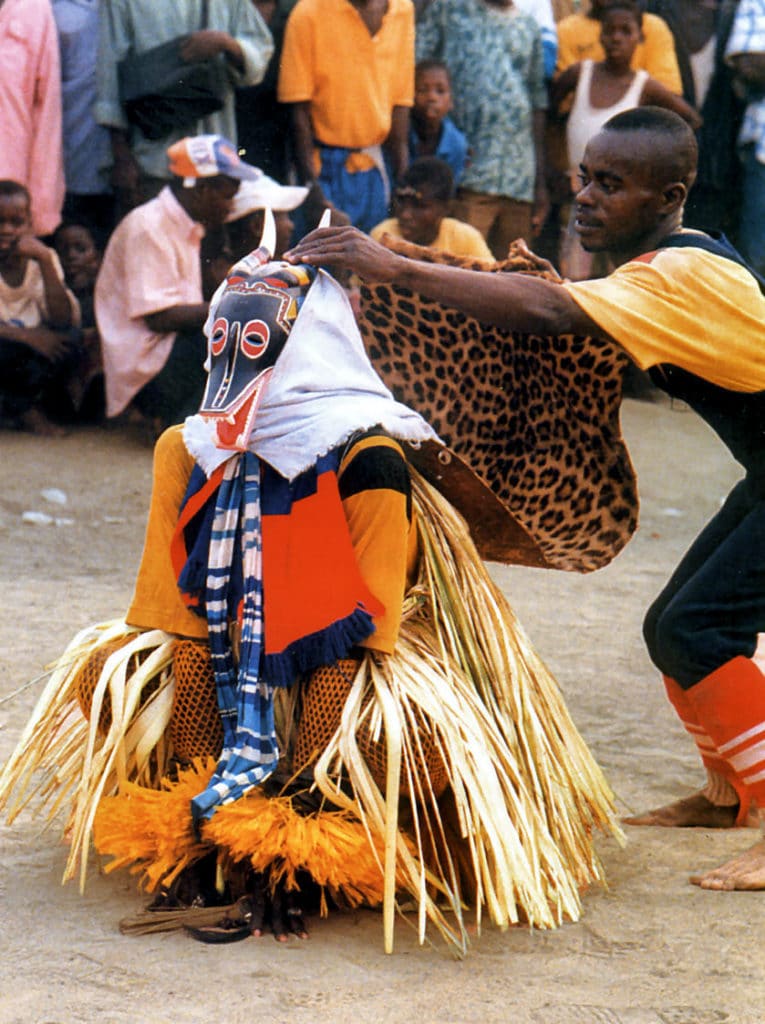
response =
{"points": [[536, 418]]}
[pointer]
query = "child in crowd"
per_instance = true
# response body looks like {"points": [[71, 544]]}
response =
{"points": [[79, 249], [421, 206], [38, 346], [80, 256], [432, 132], [602, 89]]}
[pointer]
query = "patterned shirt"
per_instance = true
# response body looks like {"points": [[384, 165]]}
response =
{"points": [[494, 56], [748, 36]]}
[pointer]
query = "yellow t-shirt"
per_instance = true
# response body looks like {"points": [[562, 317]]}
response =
{"points": [[352, 80], [579, 39], [454, 237], [686, 307]]}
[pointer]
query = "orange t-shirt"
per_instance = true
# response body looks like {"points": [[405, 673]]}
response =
{"points": [[351, 79], [384, 542]]}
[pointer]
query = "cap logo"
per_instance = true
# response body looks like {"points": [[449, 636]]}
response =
{"points": [[202, 155]]}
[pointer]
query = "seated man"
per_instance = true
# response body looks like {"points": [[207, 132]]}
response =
{"points": [[244, 225], [148, 296]]}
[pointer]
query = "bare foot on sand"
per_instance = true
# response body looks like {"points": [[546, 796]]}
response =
{"points": [[744, 872], [696, 811]]}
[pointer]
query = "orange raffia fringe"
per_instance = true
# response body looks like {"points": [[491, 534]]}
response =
{"points": [[149, 832]]}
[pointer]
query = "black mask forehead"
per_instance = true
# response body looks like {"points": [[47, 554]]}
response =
{"points": [[252, 322]]}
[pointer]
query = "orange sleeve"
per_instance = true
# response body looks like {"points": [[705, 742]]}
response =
{"points": [[157, 603], [385, 543]]}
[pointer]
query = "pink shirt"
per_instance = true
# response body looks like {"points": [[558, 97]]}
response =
{"points": [[31, 149], [151, 263]]}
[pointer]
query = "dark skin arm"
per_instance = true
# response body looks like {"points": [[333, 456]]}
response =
{"points": [[302, 141], [541, 198], [398, 141], [750, 67], [510, 301], [563, 85], [53, 345], [56, 298], [657, 95], [187, 317], [126, 172], [208, 42]]}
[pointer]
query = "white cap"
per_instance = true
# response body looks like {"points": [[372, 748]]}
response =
{"points": [[264, 192]]}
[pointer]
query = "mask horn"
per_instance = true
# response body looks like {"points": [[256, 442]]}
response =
{"points": [[326, 219], [268, 238], [260, 256]]}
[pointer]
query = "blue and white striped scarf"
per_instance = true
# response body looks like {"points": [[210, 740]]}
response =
{"points": [[250, 752]]}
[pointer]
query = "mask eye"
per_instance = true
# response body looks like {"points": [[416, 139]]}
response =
{"points": [[218, 336], [255, 337]]}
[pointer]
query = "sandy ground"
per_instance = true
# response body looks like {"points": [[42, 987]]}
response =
{"points": [[650, 949]]}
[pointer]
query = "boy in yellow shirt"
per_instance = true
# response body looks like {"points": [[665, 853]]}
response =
{"points": [[421, 204]]}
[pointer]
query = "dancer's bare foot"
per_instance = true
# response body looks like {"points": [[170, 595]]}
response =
{"points": [[696, 811], [744, 872]]}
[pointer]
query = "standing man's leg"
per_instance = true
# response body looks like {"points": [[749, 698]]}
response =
{"points": [[477, 209], [710, 612], [513, 221]]}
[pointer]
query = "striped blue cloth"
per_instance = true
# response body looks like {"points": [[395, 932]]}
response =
{"points": [[250, 752]]}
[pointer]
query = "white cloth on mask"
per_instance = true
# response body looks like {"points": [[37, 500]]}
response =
{"points": [[322, 390]]}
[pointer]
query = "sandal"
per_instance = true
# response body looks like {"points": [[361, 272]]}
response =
{"points": [[231, 928]]}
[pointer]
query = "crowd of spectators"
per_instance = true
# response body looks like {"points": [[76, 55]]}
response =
{"points": [[452, 123]]}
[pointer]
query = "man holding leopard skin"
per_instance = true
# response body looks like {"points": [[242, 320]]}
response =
{"points": [[685, 307]]}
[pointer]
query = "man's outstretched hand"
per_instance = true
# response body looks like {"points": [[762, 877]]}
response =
{"points": [[346, 248]]}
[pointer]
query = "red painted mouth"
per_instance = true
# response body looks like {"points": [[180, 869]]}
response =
{"points": [[234, 427]]}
